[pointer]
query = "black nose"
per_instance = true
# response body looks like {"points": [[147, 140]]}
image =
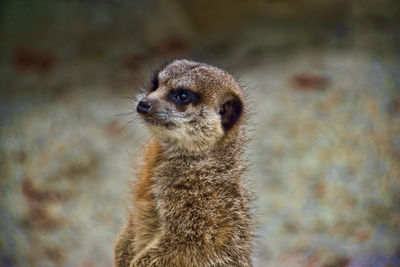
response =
{"points": [[143, 107]]}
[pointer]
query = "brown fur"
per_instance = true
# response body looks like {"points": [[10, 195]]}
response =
{"points": [[191, 205]]}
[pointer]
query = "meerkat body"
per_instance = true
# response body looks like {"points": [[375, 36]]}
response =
{"points": [[190, 202]]}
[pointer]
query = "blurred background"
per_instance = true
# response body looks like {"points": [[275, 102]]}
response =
{"points": [[324, 77]]}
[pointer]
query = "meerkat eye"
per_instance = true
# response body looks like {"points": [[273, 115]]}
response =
{"points": [[184, 96]]}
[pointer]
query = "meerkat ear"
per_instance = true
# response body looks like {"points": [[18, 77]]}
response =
{"points": [[230, 111]]}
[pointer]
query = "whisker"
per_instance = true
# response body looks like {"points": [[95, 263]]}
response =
{"points": [[137, 79], [129, 97], [145, 143], [123, 114], [126, 124], [142, 143]]}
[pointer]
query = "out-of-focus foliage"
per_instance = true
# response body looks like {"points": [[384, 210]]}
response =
{"points": [[324, 78]]}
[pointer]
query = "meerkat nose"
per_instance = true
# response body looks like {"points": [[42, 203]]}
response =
{"points": [[143, 106]]}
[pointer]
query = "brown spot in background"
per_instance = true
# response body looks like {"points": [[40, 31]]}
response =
{"points": [[319, 190], [133, 60], [379, 21], [39, 201], [33, 194], [113, 128], [21, 156], [290, 227], [363, 234], [395, 106], [55, 255], [33, 60], [77, 170], [38, 217], [308, 81], [337, 262], [171, 47]]}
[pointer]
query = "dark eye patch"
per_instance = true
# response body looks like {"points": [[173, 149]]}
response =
{"points": [[183, 97], [154, 78], [154, 82]]}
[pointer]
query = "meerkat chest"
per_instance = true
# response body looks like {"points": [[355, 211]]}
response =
{"points": [[190, 187], [146, 222]]}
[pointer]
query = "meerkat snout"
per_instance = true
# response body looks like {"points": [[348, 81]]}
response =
{"points": [[144, 106]]}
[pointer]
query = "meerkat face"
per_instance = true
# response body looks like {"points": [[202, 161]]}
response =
{"points": [[191, 105]]}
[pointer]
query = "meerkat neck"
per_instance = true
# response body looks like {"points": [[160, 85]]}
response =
{"points": [[229, 148]]}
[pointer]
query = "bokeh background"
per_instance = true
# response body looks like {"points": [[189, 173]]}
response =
{"points": [[324, 77]]}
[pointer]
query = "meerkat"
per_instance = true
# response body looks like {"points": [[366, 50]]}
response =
{"points": [[191, 205]]}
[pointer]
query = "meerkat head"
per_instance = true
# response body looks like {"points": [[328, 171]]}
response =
{"points": [[191, 105]]}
